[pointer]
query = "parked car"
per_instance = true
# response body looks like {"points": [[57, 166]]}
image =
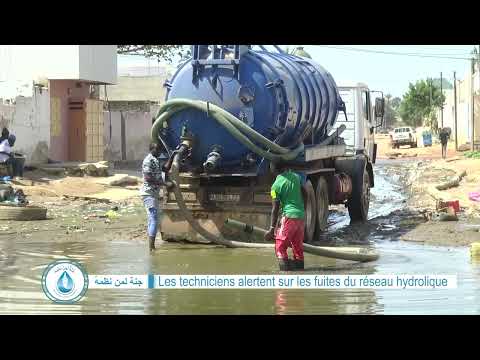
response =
{"points": [[404, 136]]}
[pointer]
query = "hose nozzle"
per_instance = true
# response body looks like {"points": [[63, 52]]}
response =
{"points": [[213, 159]]}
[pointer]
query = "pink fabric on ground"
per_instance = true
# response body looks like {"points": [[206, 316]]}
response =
{"points": [[474, 196]]}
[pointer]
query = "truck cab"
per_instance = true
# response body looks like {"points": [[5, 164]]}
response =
{"points": [[361, 117]]}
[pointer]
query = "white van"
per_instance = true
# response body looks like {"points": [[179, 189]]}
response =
{"points": [[404, 136]]}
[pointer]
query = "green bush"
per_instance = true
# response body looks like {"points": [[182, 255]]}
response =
{"points": [[472, 154]]}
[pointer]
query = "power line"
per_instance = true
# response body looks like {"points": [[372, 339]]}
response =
{"points": [[396, 53], [452, 51]]}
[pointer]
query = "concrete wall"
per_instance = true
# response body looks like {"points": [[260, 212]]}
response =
{"points": [[29, 120], [464, 122], [113, 145], [137, 135]]}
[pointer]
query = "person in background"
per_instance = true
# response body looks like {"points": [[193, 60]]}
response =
{"points": [[5, 134], [154, 176], [288, 193], [444, 135], [8, 157]]}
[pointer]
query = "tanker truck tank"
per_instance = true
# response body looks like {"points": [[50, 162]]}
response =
{"points": [[288, 100]]}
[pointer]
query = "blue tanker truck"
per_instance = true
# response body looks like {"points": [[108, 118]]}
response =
{"points": [[233, 111]]}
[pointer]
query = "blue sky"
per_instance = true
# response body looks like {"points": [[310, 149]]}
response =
{"points": [[386, 72]]}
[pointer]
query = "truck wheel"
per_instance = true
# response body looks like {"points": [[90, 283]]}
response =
{"points": [[359, 203], [322, 204], [310, 213]]}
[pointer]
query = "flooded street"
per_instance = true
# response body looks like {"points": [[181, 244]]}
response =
{"points": [[22, 261]]}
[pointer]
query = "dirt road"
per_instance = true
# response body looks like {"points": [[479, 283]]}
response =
{"points": [[385, 150]]}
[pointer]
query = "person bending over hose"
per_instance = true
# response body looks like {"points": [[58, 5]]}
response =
{"points": [[288, 193], [154, 176]]}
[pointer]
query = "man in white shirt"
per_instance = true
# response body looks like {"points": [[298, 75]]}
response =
{"points": [[7, 156], [154, 176], [5, 150]]}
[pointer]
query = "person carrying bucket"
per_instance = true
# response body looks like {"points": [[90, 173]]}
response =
{"points": [[288, 193]]}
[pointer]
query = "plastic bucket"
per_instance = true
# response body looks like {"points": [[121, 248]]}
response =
{"points": [[427, 140], [20, 159], [455, 205]]}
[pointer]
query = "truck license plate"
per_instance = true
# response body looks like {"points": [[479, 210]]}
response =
{"points": [[224, 197], [186, 196]]}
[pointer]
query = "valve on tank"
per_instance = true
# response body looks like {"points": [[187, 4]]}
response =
{"points": [[213, 159], [184, 149], [249, 161]]}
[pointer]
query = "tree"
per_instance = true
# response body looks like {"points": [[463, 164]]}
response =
{"points": [[160, 52], [419, 104], [396, 101], [390, 115], [445, 83]]}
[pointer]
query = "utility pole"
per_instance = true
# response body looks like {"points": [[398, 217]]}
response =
{"points": [[455, 107], [441, 107], [472, 109], [385, 122]]}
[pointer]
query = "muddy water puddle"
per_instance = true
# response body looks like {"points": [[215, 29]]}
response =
{"points": [[22, 261]]}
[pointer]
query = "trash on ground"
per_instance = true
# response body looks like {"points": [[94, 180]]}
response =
{"points": [[124, 181], [444, 205], [449, 215], [454, 182], [474, 196], [385, 227], [111, 214]]}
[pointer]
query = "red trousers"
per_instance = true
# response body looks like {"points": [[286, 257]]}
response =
{"points": [[290, 234]]}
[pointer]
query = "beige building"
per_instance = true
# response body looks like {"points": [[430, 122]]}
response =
{"points": [[47, 99], [464, 101], [133, 103]]}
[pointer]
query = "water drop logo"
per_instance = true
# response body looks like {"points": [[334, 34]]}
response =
{"points": [[65, 281]]}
